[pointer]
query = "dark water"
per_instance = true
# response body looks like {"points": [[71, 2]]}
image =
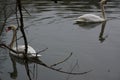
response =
{"points": [[51, 25]]}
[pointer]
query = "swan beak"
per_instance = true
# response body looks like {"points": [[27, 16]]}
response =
{"points": [[7, 29], [103, 2]]}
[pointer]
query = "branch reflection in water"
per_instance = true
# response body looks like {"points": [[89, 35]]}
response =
{"points": [[93, 25], [36, 61]]}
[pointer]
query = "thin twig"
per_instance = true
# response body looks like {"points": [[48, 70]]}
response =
{"points": [[63, 60], [26, 11], [42, 51], [1, 45]]}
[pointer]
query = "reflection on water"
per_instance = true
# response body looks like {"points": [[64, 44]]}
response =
{"points": [[52, 25], [88, 25], [101, 36], [93, 25]]}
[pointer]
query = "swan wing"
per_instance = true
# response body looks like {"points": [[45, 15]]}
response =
{"points": [[32, 52]]}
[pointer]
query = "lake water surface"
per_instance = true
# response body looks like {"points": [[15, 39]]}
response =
{"points": [[51, 25]]}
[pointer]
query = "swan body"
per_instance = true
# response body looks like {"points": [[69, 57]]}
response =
{"points": [[20, 49], [92, 17]]}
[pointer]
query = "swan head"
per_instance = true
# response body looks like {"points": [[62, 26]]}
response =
{"points": [[11, 27], [103, 2]]}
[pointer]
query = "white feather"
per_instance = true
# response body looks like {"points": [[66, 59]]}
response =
{"points": [[90, 18], [21, 48]]}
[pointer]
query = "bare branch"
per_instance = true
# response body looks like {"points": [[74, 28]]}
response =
{"points": [[1, 45]]}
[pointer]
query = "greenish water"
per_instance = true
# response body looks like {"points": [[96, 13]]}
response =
{"points": [[51, 25]]}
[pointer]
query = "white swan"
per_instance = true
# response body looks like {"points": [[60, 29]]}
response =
{"points": [[92, 17], [20, 48]]}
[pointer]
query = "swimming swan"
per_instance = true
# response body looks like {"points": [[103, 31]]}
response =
{"points": [[31, 53], [92, 17]]}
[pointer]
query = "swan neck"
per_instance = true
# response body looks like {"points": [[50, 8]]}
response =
{"points": [[103, 11], [13, 39]]}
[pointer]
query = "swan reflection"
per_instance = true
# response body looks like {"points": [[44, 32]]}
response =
{"points": [[93, 25], [101, 35], [87, 25], [22, 61]]}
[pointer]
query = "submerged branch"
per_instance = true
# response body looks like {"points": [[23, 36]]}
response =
{"points": [[72, 73], [38, 61], [63, 60]]}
